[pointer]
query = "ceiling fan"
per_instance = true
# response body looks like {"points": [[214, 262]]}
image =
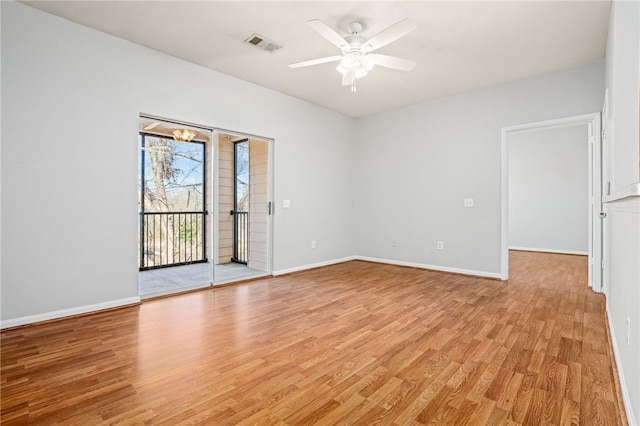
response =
{"points": [[356, 59]]}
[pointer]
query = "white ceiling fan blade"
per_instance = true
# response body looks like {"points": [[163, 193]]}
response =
{"points": [[393, 62], [348, 78], [315, 61], [327, 32], [389, 34]]}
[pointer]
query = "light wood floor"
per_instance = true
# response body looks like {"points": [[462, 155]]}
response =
{"points": [[354, 343]]}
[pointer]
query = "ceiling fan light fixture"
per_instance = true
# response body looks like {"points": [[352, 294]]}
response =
{"points": [[347, 61], [359, 71], [360, 64]]}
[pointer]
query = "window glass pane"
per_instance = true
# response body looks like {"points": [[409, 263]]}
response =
{"points": [[242, 176], [173, 175]]}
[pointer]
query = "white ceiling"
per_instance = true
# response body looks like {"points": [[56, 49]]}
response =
{"points": [[458, 45]]}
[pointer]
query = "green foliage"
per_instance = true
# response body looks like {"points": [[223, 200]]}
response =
{"points": [[190, 230]]}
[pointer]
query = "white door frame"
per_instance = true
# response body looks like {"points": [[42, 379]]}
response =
{"points": [[592, 121], [606, 134]]}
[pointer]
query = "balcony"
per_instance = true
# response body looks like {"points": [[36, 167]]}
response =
{"points": [[171, 239], [172, 253], [161, 281]]}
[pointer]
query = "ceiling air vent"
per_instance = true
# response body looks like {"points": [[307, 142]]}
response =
{"points": [[262, 43]]}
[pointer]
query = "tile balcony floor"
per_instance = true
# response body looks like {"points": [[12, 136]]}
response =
{"points": [[156, 282]]}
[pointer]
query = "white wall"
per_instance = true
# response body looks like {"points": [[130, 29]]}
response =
{"points": [[623, 69], [71, 99], [620, 150], [417, 164], [548, 190]]}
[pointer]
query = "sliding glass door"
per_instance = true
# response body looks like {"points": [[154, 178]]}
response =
{"points": [[241, 202], [172, 202]]}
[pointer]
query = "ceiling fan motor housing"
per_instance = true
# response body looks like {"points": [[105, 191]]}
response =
{"points": [[355, 27], [356, 43]]}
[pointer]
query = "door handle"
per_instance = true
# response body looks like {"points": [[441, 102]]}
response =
{"points": [[602, 215]]}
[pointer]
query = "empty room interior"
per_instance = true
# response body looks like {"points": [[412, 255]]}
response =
{"points": [[297, 213]]}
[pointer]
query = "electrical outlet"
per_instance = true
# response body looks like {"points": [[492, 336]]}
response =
{"points": [[286, 204], [313, 244], [440, 245], [468, 202]]}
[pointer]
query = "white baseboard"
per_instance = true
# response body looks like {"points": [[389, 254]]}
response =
{"points": [[313, 265], [30, 319], [544, 250], [432, 267], [626, 398], [390, 262]]}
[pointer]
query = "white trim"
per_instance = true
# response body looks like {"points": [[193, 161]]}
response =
{"points": [[554, 123], [504, 207], [213, 231], [271, 199], [483, 274], [241, 279], [544, 250], [584, 119], [313, 265], [629, 191], [14, 322], [171, 291], [626, 398]]}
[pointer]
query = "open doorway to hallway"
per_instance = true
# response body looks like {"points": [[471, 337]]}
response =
{"points": [[552, 190]]}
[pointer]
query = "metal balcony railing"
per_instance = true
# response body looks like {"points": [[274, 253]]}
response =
{"points": [[241, 237], [171, 239]]}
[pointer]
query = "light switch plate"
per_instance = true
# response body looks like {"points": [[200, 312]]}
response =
{"points": [[468, 202]]}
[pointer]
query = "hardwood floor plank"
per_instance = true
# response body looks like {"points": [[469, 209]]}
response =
{"points": [[437, 401], [352, 343], [509, 393], [570, 413], [482, 414], [520, 406], [418, 402]]}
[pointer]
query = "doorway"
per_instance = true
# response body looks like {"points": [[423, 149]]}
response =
{"points": [[243, 220], [205, 184], [593, 204], [174, 202], [240, 210]]}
